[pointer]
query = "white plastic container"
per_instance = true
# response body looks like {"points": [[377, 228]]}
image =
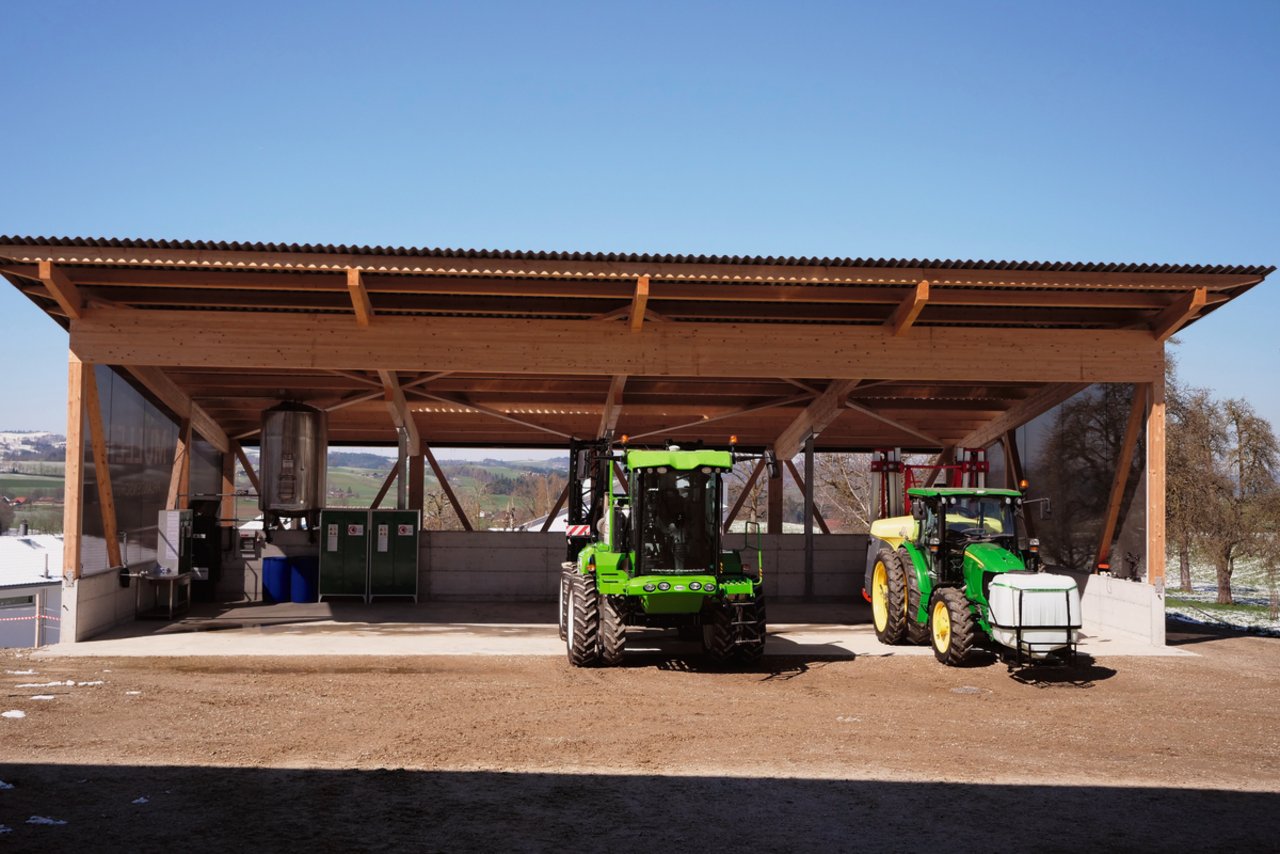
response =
{"points": [[1045, 607]]}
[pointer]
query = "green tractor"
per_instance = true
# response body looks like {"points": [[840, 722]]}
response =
{"points": [[652, 556], [961, 573]]}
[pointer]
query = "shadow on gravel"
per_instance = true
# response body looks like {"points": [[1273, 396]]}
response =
{"points": [[1084, 673], [1181, 633], [199, 809]]}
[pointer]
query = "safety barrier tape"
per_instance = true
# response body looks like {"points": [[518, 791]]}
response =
{"points": [[44, 617]]}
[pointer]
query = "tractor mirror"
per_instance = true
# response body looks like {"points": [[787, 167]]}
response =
{"points": [[917, 509]]}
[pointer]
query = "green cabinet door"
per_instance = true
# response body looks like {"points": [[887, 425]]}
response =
{"points": [[344, 553], [393, 553]]}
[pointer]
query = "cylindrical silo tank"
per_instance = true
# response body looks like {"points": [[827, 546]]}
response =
{"points": [[294, 453]]}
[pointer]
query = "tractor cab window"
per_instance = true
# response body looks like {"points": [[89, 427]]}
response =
{"points": [[980, 517], [678, 520]]}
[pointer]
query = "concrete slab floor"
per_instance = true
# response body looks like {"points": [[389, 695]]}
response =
{"points": [[833, 631]]}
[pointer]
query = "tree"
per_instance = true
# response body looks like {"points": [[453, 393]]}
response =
{"points": [[6, 516], [846, 486], [1197, 437]]}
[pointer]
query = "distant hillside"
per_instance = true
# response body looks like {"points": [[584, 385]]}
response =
{"points": [[32, 445]]}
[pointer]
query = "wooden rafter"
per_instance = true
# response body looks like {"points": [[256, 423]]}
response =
{"points": [[612, 407], [1124, 462], [897, 425], [908, 310], [102, 468], [359, 297], [1020, 413], [180, 475], [448, 490], [61, 289], [817, 514], [401, 415], [360, 378], [455, 401], [1178, 314], [248, 467], [749, 410], [156, 381], [742, 496], [815, 418], [638, 302]]}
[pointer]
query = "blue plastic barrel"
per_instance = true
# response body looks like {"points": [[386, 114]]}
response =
{"points": [[275, 580], [304, 578]]}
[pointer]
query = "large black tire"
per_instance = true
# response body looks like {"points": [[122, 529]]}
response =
{"points": [[613, 631], [751, 633], [917, 632], [582, 634], [565, 580], [889, 598], [717, 632], [953, 631]]}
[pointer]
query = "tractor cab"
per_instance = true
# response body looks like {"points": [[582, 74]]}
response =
{"points": [[950, 521], [675, 510]]}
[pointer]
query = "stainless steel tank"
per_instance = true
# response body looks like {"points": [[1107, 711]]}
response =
{"points": [[292, 467]]}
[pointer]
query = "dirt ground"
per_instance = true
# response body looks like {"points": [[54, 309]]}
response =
{"points": [[524, 753]]}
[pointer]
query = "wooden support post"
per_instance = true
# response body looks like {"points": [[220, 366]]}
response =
{"points": [[73, 499], [386, 485], [806, 488], [101, 468], [775, 504], [1156, 484], [248, 468], [555, 511], [742, 496], [180, 475], [1124, 462], [417, 481], [448, 490], [800, 483]]}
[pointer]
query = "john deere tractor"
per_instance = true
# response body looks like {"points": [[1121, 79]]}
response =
{"points": [[960, 573], [652, 556]]}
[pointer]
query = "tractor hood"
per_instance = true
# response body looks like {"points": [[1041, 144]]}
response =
{"points": [[989, 557]]}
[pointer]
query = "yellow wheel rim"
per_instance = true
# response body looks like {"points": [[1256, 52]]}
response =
{"points": [[941, 627], [880, 596]]}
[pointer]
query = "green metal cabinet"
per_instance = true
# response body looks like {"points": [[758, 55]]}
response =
{"points": [[393, 553], [344, 553]]}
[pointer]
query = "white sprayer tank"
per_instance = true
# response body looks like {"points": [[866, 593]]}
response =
{"points": [[1034, 612]]}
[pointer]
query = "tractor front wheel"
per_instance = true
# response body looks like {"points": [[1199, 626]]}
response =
{"points": [[613, 631], [889, 598], [582, 628], [717, 632], [952, 628], [917, 632], [566, 579]]}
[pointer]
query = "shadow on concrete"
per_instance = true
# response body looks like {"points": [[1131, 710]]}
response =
{"points": [[201, 809]]}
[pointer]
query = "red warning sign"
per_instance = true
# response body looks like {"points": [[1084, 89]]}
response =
{"points": [[404, 530]]}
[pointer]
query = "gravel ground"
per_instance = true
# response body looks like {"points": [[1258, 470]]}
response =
{"points": [[524, 753]]}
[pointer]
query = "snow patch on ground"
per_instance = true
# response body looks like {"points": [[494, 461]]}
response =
{"points": [[45, 684], [13, 713], [4, 785], [141, 800], [42, 696], [1250, 589], [44, 819], [21, 672]]}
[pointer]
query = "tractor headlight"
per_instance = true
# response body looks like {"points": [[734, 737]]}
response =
{"points": [[650, 587], [709, 587], [694, 585], [663, 585]]}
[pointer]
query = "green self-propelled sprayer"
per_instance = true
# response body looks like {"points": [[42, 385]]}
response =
{"points": [[961, 572], [652, 555]]}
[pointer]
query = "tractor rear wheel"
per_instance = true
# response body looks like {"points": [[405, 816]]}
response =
{"points": [[889, 598], [717, 632], [952, 627], [751, 631], [613, 631], [582, 629], [566, 578], [917, 632]]}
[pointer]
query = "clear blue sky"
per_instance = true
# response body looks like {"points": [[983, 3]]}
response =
{"points": [[1108, 131]]}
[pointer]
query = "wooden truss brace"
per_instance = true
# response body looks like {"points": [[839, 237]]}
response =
{"points": [[386, 485], [742, 496], [393, 394], [1178, 314], [359, 297], [448, 490], [248, 468], [555, 511], [770, 404], [1020, 413], [612, 407], [897, 425], [66, 294], [817, 514], [156, 381], [1121, 477], [180, 474], [638, 303], [456, 401], [102, 468], [815, 418]]}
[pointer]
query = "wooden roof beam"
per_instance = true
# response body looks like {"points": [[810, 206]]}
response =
{"points": [[66, 294], [908, 310], [897, 425], [815, 418], [638, 303], [359, 297], [1020, 413], [612, 407], [750, 410], [393, 394], [457, 401], [180, 403], [1180, 312]]}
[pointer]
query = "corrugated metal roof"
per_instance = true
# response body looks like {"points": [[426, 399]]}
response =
{"points": [[624, 257]]}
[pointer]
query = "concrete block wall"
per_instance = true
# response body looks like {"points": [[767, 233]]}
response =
{"points": [[98, 603], [1115, 604]]}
